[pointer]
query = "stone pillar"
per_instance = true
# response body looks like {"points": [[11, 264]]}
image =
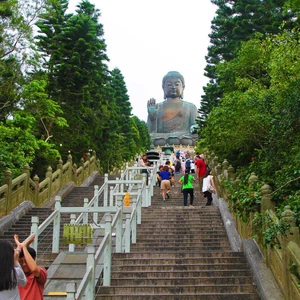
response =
{"points": [[8, 180], [36, 181], [266, 203], [291, 235]]}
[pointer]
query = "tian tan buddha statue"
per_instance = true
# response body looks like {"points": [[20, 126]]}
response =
{"points": [[171, 120]]}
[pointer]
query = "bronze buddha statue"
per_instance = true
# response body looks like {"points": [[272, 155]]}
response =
{"points": [[173, 116]]}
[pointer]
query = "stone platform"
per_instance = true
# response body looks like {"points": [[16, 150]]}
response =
{"points": [[174, 138]]}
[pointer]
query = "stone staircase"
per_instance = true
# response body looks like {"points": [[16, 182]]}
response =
{"points": [[22, 226], [181, 253]]}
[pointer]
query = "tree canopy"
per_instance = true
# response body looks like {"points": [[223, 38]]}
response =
{"points": [[57, 90]]}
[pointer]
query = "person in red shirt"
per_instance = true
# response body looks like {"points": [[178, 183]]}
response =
{"points": [[200, 171], [36, 276]]}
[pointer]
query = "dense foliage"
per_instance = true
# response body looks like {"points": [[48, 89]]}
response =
{"points": [[254, 117], [235, 22], [57, 95]]}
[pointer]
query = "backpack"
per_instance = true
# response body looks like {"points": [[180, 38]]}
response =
{"points": [[188, 164], [178, 165]]}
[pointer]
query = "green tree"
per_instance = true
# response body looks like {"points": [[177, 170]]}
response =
{"points": [[258, 115], [19, 146], [235, 22], [47, 112], [17, 51], [123, 114], [142, 137], [77, 75]]}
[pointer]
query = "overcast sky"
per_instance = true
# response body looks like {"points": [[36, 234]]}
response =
{"points": [[147, 39]]}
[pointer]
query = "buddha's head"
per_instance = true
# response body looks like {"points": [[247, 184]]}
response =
{"points": [[173, 85]]}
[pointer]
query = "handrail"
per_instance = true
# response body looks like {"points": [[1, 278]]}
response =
{"points": [[101, 247], [15, 191], [133, 217], [129, 224], [84, 283]]}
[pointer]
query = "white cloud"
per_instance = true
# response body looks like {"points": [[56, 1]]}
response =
{"points": [[146, 39]]}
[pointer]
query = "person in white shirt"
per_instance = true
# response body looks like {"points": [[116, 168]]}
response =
{"points": [[11, 273]]}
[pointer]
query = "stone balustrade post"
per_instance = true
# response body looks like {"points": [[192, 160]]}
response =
{"points": [[219, 169], [59, 165], [36, 181], [215, 161], [26, 170], [231, 175], [8, 180], [70, 173], [75, 173], [291, 235], [82, 162], [266, 203], [49, 175], [225, 165], [88, 159], [252, 178]]}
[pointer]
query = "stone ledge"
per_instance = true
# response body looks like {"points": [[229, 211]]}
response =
{"points": [[7, 221], [265, 281]]}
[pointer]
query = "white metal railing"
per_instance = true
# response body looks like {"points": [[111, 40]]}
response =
{"points": [[140, 192]]}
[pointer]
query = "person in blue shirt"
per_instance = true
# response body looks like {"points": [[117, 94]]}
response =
{"points": [[165, 184]]}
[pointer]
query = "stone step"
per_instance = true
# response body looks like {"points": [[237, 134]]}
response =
{"points": [[191, 296], [192, 223], [178, 289], [178, 261], [237, 280], [184, 238], [175, 255], [180, 249], [180, 267], [165, 231], [142, 274], [191, 243]]}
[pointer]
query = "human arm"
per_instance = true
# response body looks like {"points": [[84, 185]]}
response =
{"points": [[30, 261], [21, 277], [17, 255], [180, 180]]}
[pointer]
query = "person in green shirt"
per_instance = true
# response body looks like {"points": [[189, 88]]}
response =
{"points": [[187, 187]]}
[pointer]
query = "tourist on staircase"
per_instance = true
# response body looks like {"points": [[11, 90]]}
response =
{"points": [[158, 181], [187, 187], [145, 163], [178, 166], [11, 273], [200, 170], [208, 186], [165, 185], [172, 178], [188, 165], [36, 276]]}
